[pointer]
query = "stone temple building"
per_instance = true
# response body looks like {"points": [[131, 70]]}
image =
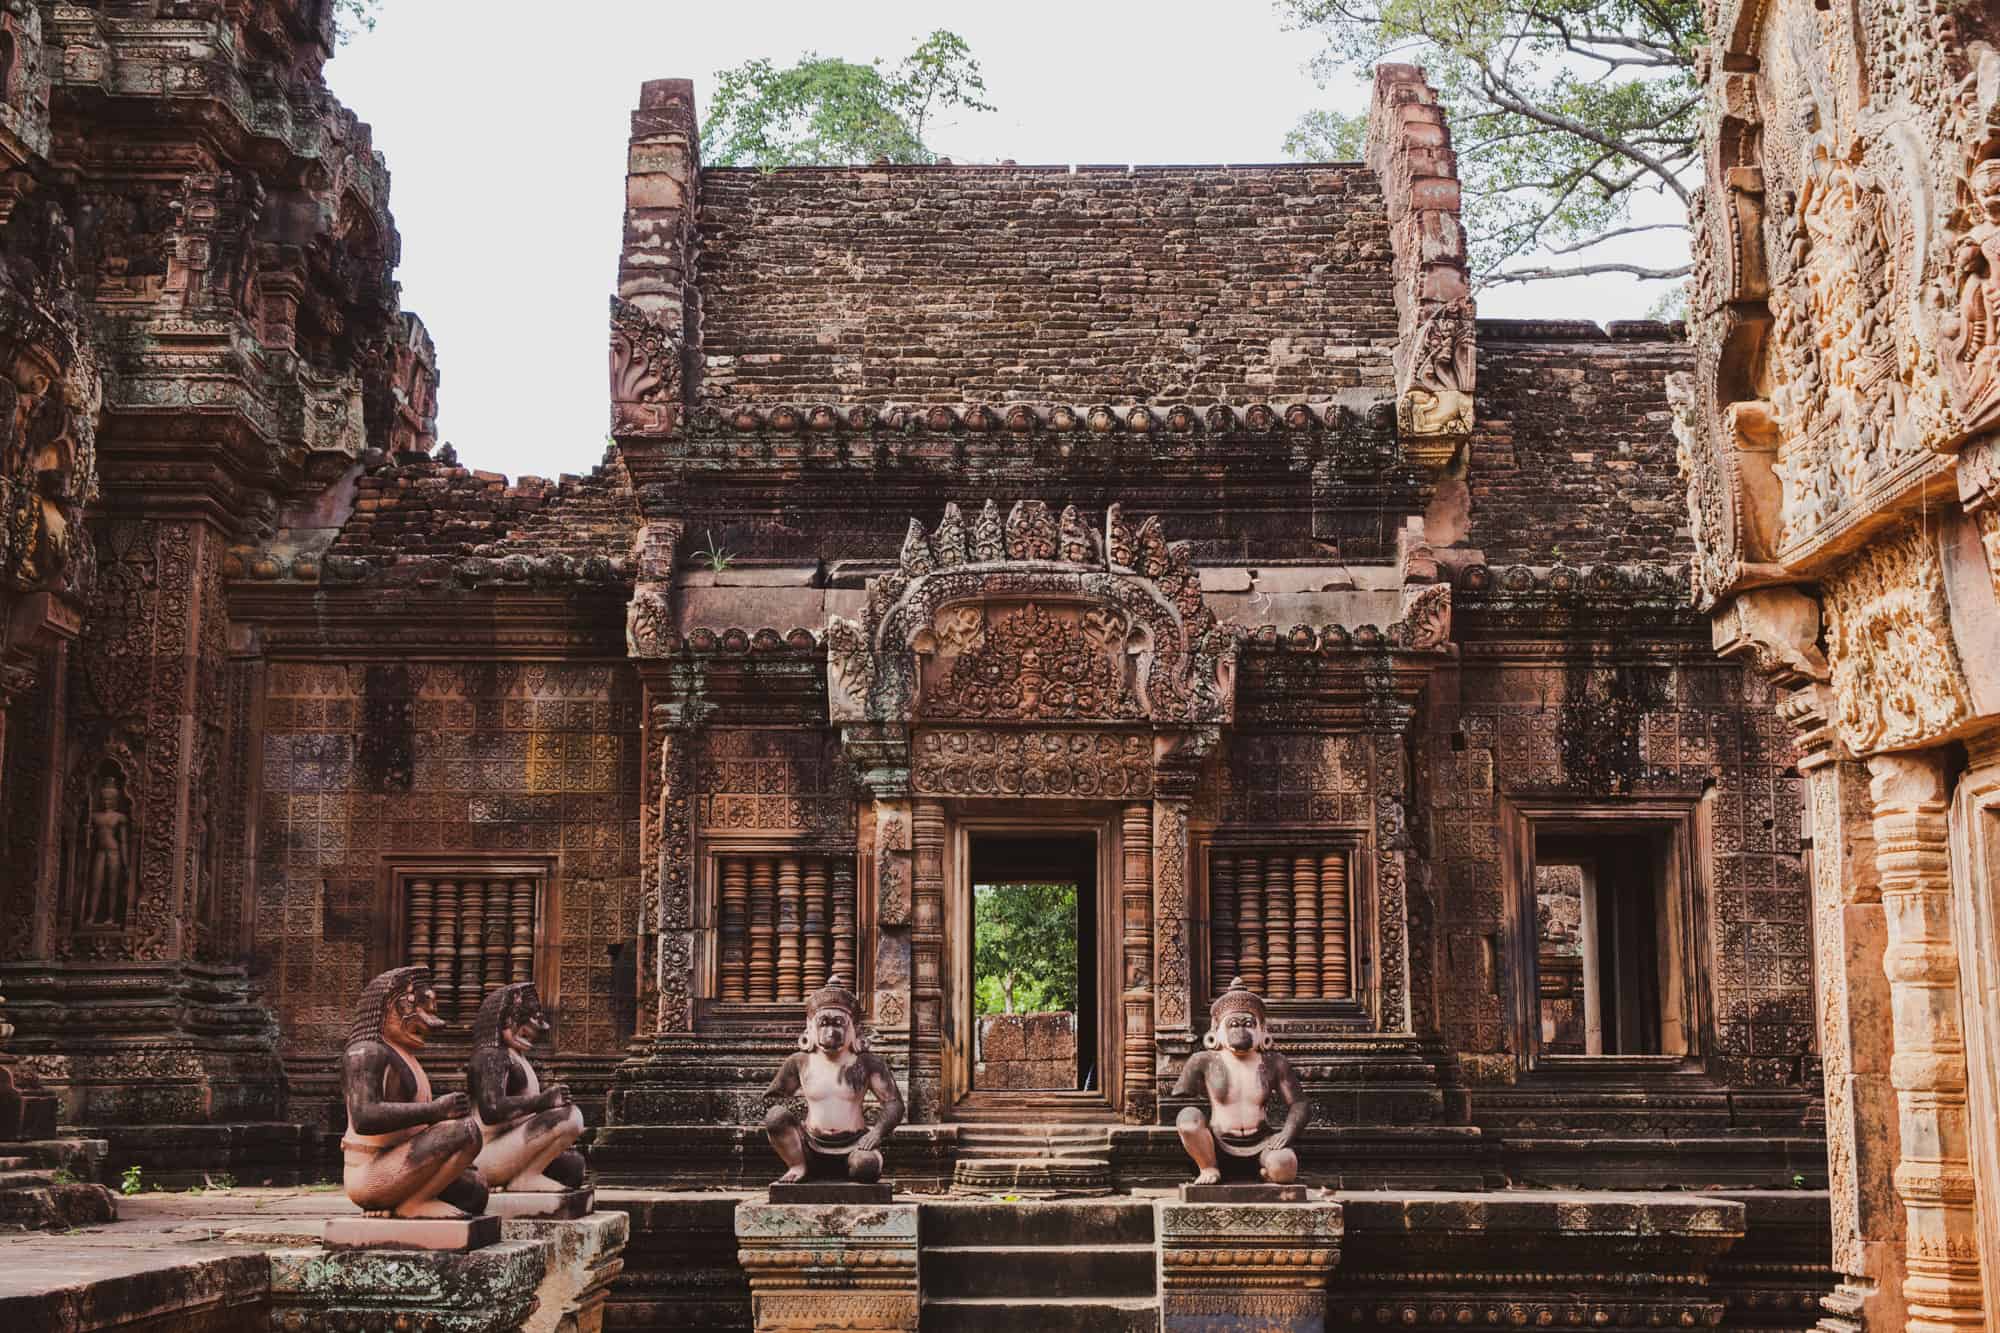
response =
{"points": [[1178, 534]]}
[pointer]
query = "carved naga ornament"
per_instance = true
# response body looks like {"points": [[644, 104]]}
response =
{"points": [[1034, 618]]}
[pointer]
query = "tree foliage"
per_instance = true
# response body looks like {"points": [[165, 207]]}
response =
{"points": [[1564, 114], [1024, 944], [825, 111], [352, 16]]}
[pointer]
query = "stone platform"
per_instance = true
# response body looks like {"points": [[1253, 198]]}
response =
{"points": [[827, 1266], [221, 1261]]}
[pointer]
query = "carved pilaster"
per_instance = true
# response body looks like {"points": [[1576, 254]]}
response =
{"points": [[927, 984], [1941, 1285], [1975, 852], [1136, 985]]}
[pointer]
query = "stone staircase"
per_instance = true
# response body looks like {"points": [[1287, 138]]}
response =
{"points": [[44, 1186], [1061, 1267], [1033, 1160]]}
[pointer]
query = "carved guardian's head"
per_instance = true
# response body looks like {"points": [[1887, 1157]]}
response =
{"points": [[399, 1007], [1986, 188], [1236, 1021], [511, 1016], [833, 1020]]}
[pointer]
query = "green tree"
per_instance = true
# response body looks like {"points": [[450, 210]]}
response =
{"points": [[1024, 947], [352, 16], [825, 111], [1564, 113]]}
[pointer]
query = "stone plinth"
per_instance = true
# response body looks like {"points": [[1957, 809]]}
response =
{"points": [[585, 1254], [1239, 1267], [1604, 1261], [411, 1233], [490, 1290], [829, 1266], [509, 1204]]}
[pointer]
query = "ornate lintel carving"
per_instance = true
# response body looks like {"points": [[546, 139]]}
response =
{"points": [[1894, 664], [1033, 618]]}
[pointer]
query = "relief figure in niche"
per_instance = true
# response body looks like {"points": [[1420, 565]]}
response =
{"points": [[107, 884], [1231, 1141], [834, 1071], [1973, 331]]}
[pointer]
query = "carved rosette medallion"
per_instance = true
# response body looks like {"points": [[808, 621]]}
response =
{"points": [[1895, 669]]}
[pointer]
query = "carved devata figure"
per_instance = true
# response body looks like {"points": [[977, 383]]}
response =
{"points": [[528, 1129], [107, 878], [1973, 330], [407, 1154], [834, 1071], [1231, 1142]]}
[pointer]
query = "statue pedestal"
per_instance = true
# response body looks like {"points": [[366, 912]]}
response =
{"points": [[585, 1254], [489, 1290], [826, 1266], [831, 1191], [1239, 1267], [1245, 1193], [360, 1232], [509, 1204]]}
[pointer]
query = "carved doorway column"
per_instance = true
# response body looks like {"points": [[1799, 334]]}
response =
{"points": [[1140, 1097], [1934, 1177], [1975, 859]]}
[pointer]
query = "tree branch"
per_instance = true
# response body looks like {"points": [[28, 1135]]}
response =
{"points": [[1585, 271]]}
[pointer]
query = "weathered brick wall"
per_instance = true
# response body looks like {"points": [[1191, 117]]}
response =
{"points": [[993, 283], [367, 763], [1603, 724], [1573, 457]]}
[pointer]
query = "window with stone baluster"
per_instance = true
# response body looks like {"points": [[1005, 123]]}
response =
{"points": [[1281, 916], [778, 921], [477, 926]]}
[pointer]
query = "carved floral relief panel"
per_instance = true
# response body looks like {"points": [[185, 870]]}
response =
{"points": [[365, 762], [1895, 667], [1704, 733]]}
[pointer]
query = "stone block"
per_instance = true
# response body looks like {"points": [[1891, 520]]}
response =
{"points": [[584, 1255], [489, 1290], [830, 1266], [1241, 1267], [831, 1191], [509, 1204], [412, 1233]]}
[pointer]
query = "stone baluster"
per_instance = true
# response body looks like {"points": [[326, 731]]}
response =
{"points": [[1277, 927], [418, 945], [843, 916], [444, 952], [763, 931], [790, 919], [1222, 919], [1335, 979], [471, 946], [1941, 1284], [815, 924], [734, 954], [521, 951], [1305, 926], [499, 921], [1249, 923]]}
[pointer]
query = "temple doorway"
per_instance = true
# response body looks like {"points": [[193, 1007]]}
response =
{"points": [[1034, 972]]}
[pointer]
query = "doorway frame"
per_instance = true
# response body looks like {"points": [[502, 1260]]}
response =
{"points": [[967, 819]]}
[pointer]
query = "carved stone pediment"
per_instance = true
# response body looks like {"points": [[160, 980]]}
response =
{"points": [[1034, 618]]}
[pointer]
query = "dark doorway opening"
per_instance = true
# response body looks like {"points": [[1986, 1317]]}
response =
{"points": [[1605, 976], [1034, 963]]}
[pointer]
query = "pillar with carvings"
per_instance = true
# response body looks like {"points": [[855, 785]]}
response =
{"points": [[1136, 984], [1941, 1284]]}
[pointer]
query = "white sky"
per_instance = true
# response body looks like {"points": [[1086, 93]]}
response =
{"points": [[506, 146]]}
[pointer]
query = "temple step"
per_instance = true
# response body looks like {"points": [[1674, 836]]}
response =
{"points": [[1018, 1142], [1087, 1267], [1043, 1313], [1122, 1221], [1032, 1177]]}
